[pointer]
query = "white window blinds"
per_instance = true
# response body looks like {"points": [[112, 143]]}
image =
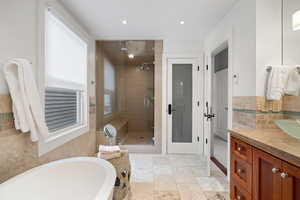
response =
{"points": [[65, 75], [66, 56]]}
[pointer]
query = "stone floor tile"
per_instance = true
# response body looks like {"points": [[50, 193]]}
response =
{"points": [[191, 192], [166, 195]]}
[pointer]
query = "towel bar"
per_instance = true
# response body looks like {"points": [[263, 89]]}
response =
{"points": [[269, 69]]}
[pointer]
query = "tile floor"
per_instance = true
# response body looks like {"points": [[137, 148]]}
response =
{"points": [[138, 138], [175, 177]]}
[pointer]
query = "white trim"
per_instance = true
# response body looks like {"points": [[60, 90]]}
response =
{"points": [[111, 38], [165, 57], [228, 39], [164, 105], [58, 139]]}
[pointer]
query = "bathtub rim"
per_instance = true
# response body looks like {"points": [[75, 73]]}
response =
{"points": [[104, 192]]}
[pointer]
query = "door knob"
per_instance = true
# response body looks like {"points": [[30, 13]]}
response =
{"points": [[209, 114], [284, 175], [238, 197], [239, 149], [239, 171], [275, 170]]}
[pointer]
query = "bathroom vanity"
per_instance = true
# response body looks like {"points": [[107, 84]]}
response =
{"points": [[265, 165]]}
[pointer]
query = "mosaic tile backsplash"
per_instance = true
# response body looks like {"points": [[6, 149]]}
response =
{"points": [[257, 112]]}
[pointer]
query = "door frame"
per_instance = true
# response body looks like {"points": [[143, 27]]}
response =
{"points": [[228, 41], [166, 57], [197, 103]]}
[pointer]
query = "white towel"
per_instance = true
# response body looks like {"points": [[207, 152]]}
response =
{"points": [[277, 82], [109, 156], [293, 83], [103, 148], [27, 107]]}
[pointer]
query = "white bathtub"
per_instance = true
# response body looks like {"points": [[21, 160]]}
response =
{"points": [[81, 178]]}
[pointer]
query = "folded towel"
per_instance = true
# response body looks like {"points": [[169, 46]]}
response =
{"points": [[109, 156], [293, 83], [109, 149], [27, 106], [277, 82]]}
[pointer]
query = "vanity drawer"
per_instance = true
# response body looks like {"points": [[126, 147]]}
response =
{"points": [[241, 173], [238, 193], [241, 150]]}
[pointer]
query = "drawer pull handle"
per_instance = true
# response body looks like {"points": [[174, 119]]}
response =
{"points": [[239, 149], [275, 170], [238, 197], [284, 175], [239, 171]]}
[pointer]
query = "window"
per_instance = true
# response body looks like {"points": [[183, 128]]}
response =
{"points": [[65, 76], [109, 87], [107, 104]]}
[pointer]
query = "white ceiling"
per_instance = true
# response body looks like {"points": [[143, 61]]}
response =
{"points": [[148, 19]]}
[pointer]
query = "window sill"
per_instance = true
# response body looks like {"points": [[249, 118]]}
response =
{"points": [[60, 138]]}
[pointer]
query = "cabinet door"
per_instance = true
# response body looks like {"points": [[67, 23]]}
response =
{"points": [[291, 182], [266, 176], [237, 192], [241, 150], [241, 172]]}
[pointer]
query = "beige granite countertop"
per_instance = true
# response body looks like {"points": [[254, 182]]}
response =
{"points": [[273, 141]]}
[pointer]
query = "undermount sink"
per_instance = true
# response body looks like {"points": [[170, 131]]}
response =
{"points": [[291, 127]]}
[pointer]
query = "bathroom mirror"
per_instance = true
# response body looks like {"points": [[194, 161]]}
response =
{"points": [[291, 32]]}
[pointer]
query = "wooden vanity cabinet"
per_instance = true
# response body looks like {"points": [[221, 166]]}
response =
{"points": [[261, 177], [266, 176], [290, 182]]}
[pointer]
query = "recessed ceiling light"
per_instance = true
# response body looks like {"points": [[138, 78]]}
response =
{"points": [[181, 22], [131, 56], [124, 21]]}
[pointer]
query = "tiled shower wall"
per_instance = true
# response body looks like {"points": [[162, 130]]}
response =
{"points": [[138, 85], [251, 112], [18, 153]]}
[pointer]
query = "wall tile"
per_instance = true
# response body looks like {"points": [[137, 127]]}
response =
{"points": [[291, 103], [265, 112], [18, 153], [244, 102], [5, 103], [243, 120]]}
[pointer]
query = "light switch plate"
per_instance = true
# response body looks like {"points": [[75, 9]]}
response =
{"points": [[236, 79]]}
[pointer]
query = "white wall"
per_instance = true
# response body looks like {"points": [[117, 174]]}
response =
{"points": [[239, 25], [268, 40], [183, 47], [291, 39], [18, 35]]}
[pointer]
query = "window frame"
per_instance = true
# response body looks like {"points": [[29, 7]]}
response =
{"points": [[60, 137], [110, 94]]}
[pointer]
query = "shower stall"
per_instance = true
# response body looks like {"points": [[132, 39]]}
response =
{"points": [[128, 72]]}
